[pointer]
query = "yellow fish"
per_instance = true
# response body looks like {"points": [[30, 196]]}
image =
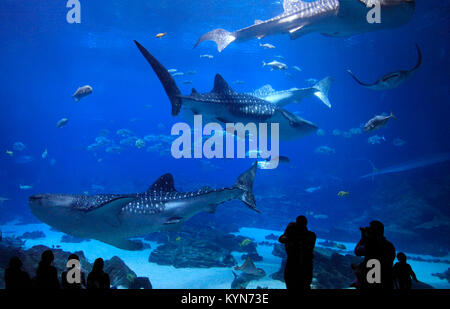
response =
{"points": [[343, 193], [245, 242], [178, 238], [9, 153], [160, 35]]}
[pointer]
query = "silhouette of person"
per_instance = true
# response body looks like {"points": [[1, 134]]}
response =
{"points": [[299, 243], [15, 277], [373, 245], [98, 279], [402, 273], [73, 286], [46, 274]]}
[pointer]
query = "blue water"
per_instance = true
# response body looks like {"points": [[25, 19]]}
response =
{"points": [[43, 60]]}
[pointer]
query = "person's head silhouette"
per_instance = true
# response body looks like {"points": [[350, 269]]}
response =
{"points": [[301, 222], [98, 265], [47, 257], [15, 263], [401, 257], [377, 228]]}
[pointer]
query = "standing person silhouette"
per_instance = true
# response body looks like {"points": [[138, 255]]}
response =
{"points": [[46, 274], [299, 243], [98, 279], [402, 273], [15, 277], [373, 245]]}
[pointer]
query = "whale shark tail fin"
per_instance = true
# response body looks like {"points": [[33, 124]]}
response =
{"points": [[245, 183], [323, 87], [220, 36], [165, 78]]}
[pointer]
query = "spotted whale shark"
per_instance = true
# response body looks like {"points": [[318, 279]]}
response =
{"points": [[114, 218], [334, 18], [224, 105]]}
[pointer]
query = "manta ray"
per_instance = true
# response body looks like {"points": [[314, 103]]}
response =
{"points": [[391, 80], [334, 18], [224, 105], [114, 218]]}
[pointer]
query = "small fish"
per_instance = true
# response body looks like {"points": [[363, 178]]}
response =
{"points": [[376, 139], [63, 122], [245, 242], [325, 150], [25, 187], [9, 153], [187, 82], [140, 143], [44, 154], [377, 122], [312, 189], [239, 82], [82, 92], [3, 199], [19, 146], [267, 46], [160, 35], [343, 193], [275, 65], [207, 56], [172, 70], [398, 142], [177, 74], [279, 57], [297, 68], [191, 72], [178, 239]]}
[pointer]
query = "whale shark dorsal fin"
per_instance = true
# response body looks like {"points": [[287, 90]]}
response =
{"points": [[290, 5], [221, 86], [165, 183]]}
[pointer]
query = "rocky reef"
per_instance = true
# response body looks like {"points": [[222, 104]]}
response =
{"points": [[33, 235], [201, 247], [444, 276], [331, 270]]}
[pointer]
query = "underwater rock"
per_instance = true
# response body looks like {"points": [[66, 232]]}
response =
{"points": [[119, 273], [140, 283], [332, 244], [444, 276], [271, 237], [72, 239], [201, 246], [331, 270], [33, 235]]}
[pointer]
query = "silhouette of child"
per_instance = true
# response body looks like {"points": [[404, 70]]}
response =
{"points": [[98, 279], [46, 274], [15, 277], [402, 273]]}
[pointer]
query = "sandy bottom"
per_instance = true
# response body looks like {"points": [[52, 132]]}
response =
{"points": [[168, 277]]}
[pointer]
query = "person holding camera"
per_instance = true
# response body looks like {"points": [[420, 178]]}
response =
{"points": [[373, 245]]}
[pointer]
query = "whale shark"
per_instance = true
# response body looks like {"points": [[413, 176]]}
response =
{"points": [[391, 80], [114, 218], [225, 105], [334, 18], [296, 95]]}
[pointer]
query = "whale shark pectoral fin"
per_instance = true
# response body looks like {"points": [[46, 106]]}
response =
{"points": [[124, 244], [220, 36], [109, 211], [295, 33]]}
